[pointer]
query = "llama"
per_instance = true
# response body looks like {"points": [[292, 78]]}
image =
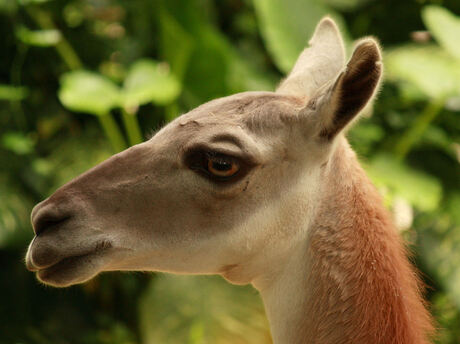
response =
{"points": [[260, 188]]}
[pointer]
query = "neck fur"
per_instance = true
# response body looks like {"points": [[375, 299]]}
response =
{"points": [[350, 281]]}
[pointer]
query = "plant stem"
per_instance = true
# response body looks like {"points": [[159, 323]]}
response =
{"points": [[413, 133], [64, 49], [132, 127], [112, 132], [15, 75]]}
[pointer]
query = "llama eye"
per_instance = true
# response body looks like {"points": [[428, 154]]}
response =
{"points": [[222, 166], [218, 167]]}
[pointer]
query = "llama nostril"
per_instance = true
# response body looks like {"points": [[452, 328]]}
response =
{"points": [[47, 218]]}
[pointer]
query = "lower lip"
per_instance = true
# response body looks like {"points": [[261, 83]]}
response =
{"points": [[67, 265]]}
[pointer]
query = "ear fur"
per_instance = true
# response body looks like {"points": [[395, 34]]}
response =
{"points": [[317, 64], [342, 101]]}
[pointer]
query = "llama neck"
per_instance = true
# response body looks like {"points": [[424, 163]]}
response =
{"points": [[350, 281]]}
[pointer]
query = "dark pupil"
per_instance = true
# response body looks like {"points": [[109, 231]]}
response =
{"points": [[221, 165]]}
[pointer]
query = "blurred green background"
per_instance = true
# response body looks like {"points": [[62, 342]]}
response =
{"points": [[81, 80]]}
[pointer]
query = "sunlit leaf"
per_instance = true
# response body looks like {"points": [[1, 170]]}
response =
{"points": [[150, 81], [39, 38], [186, 309], [286, 26], [444, 26], [13, 93], [421, 190], [432, 70], [85, 91]]}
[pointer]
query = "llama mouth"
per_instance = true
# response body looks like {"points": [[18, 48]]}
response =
{"points": [[73, 270]]}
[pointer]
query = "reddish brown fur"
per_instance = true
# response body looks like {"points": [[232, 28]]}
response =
{"points": [[362, 288]]}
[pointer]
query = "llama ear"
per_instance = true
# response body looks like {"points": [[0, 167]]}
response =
{"points": [[317, 64], [337, 104]]}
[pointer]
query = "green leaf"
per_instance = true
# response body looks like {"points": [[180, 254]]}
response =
{"points": [[213, 68], [39, 38], [18, 143], [201, 309], [444, 26], [286, 27], [150, 81], [176, 43], [399, 180], [432, 70], [88, 92], [12, 93]]}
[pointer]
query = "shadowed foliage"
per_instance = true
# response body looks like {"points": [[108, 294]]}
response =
{"points": [[80, 80]]}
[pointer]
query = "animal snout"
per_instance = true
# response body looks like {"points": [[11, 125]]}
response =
{"points": [[47, 215]]}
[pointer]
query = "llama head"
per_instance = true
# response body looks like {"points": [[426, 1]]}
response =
{"points": [[227, 188]]}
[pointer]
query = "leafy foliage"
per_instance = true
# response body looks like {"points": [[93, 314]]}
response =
{"points": [[432, 70], [148, 81], [134, 65], [286, 27], [399, 180], [84, 91], [444, 26]]}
